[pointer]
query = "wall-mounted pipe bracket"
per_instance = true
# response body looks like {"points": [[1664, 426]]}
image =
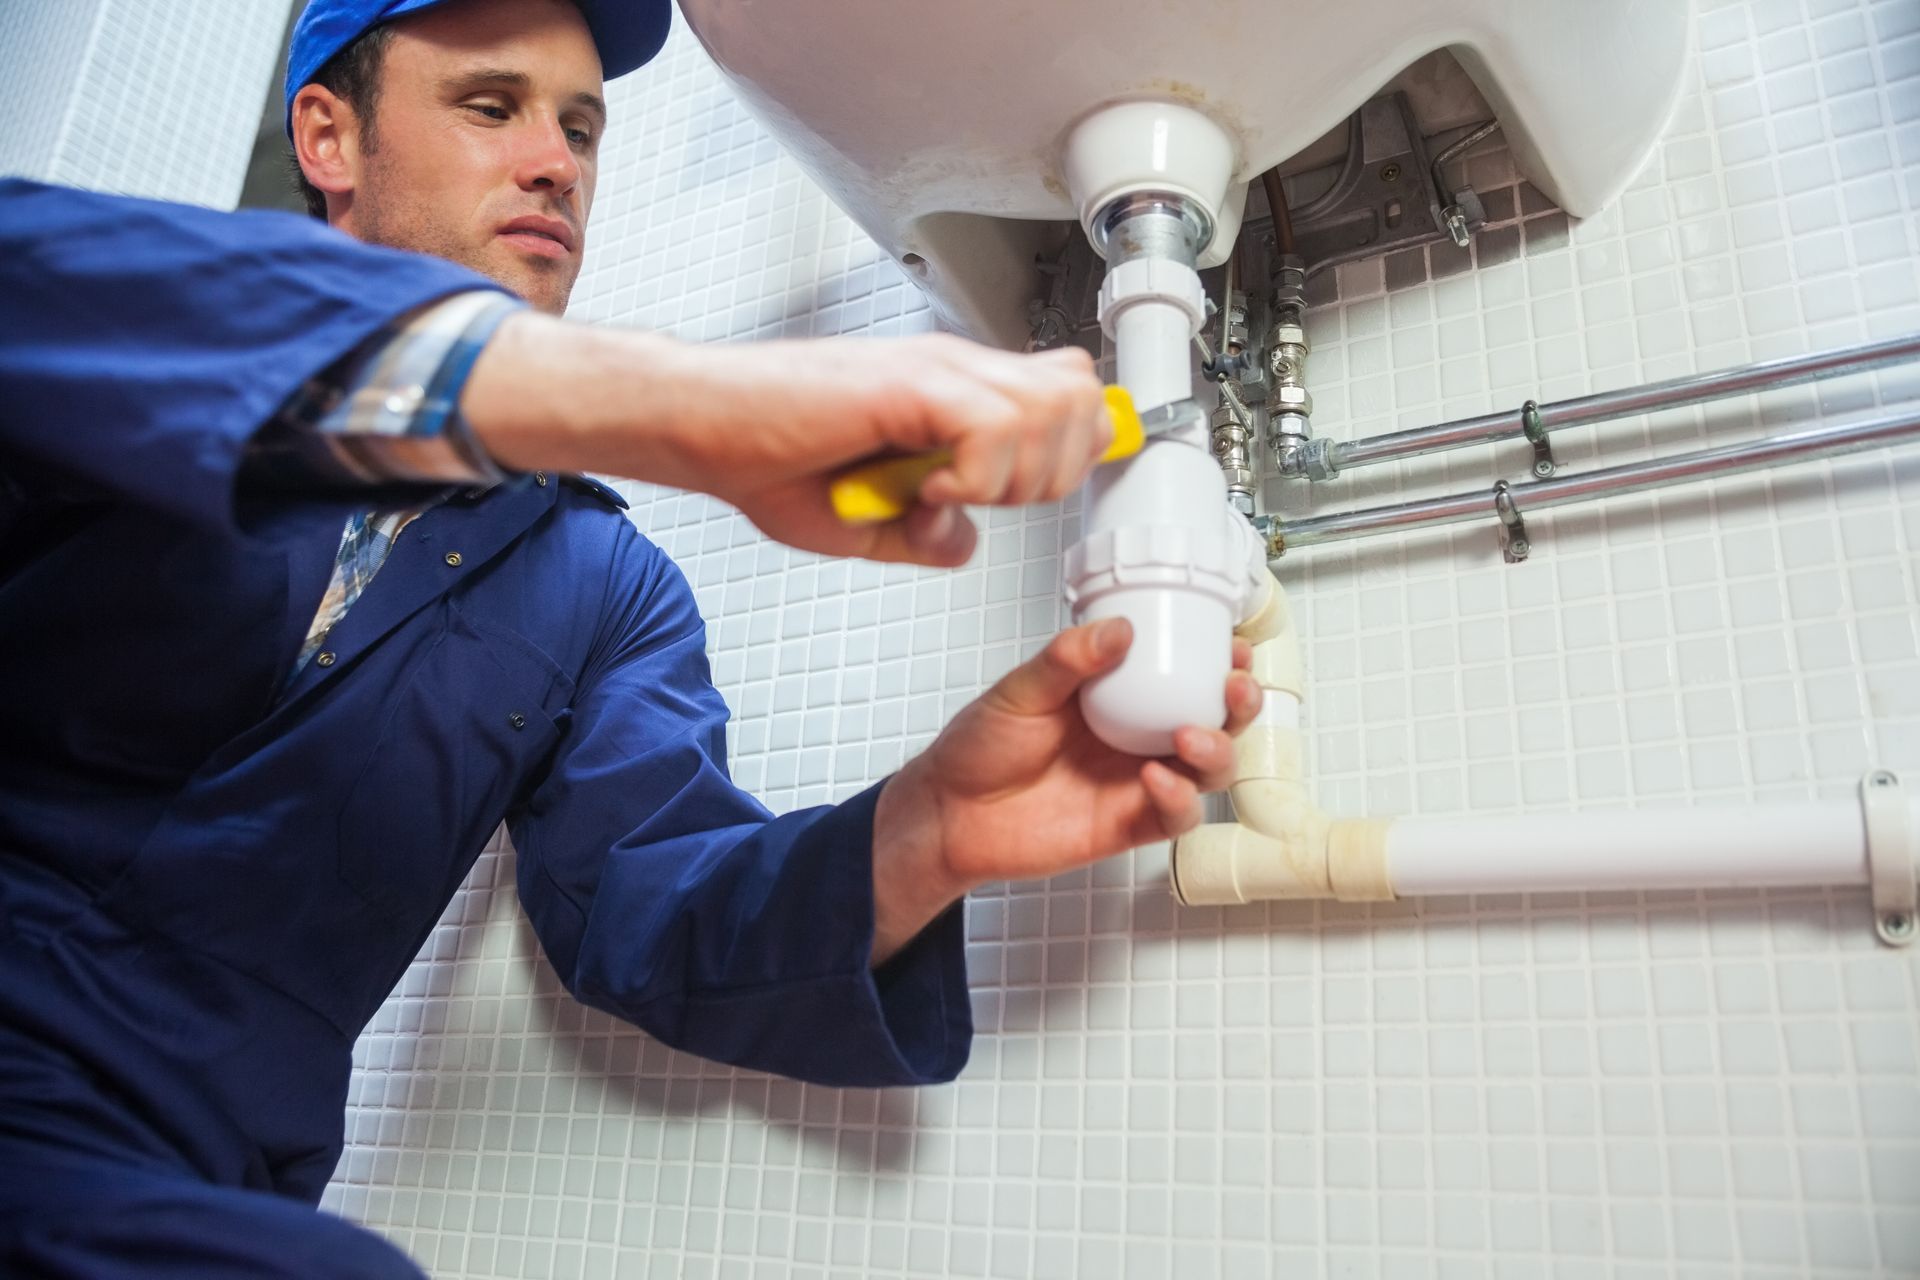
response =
{"points": [[1514, 543], [1893, 863], [1536, 433]]}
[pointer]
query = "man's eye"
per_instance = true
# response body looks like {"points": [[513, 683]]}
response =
{"points": [[489, 110], [580, 137]]}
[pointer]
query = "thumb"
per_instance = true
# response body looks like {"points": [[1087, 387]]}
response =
{"points": [[1048, 681]]}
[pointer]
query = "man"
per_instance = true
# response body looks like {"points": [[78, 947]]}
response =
{"points": [[300, 596]]}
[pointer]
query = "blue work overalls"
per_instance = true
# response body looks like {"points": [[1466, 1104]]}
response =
{"points": [[208, 883]]}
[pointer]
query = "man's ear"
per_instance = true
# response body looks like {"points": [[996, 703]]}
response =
{"points": [[326, 139]]}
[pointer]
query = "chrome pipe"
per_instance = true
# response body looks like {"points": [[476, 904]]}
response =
{"points": [[1693, 388], [1612, 482], [1150, 224]]}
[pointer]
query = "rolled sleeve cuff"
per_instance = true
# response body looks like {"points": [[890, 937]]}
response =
{"points": [[390, 413]]}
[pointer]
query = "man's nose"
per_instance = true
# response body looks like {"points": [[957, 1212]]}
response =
{"points": [[549, 161]]}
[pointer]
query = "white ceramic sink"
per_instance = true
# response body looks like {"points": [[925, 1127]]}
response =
{"points": [[940, 127]]}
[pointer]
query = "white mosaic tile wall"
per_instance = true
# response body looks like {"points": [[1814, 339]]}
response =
{"points": [[1702, 1085], [42, 48], [143, 99]]}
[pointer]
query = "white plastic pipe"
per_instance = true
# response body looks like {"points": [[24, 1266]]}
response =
{"points": [[1159, 545], [1283, 846], [1764, 846], [1152, 342]]}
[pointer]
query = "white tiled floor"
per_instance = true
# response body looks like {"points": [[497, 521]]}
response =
{"points": [[1702, 1085]]}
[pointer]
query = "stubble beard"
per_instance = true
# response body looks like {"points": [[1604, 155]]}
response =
{"points": [[388, 213]]}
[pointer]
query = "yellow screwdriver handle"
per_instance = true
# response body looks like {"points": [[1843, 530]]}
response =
{"points": [[874, 492], [1129, 437]]}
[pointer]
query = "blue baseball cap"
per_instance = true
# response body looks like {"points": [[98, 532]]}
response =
{"points": [[627, 32]]}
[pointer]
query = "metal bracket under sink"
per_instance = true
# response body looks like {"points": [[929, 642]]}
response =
{"points": [[1383, 197]]}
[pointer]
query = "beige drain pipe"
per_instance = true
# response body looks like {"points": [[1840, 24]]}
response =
{"points": [[1283, 846]]}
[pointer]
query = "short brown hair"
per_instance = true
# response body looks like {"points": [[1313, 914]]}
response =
{"points": [[353, 75]]}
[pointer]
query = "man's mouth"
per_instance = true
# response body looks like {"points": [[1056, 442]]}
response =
{"points": [[547, 237]]}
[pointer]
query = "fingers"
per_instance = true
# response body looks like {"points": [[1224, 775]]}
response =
{"points": [[800, 515], [1022, 429], [1205, 756], [1242, 654], [1208, 755], [1175, 799], [1087, 438], [1203, 761], [1048, 681], [1244, 697]]}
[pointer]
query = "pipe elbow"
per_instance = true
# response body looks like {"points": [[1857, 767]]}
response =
{"points": [[1269, 792], [1226, 864], [1283, 846], [1309, 856], [1270, 807]]}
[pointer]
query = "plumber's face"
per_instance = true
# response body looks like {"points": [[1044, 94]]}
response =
{"points": [[486, 143]]}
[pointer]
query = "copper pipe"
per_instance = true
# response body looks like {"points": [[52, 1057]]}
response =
{"points": [[1277, 202]]}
